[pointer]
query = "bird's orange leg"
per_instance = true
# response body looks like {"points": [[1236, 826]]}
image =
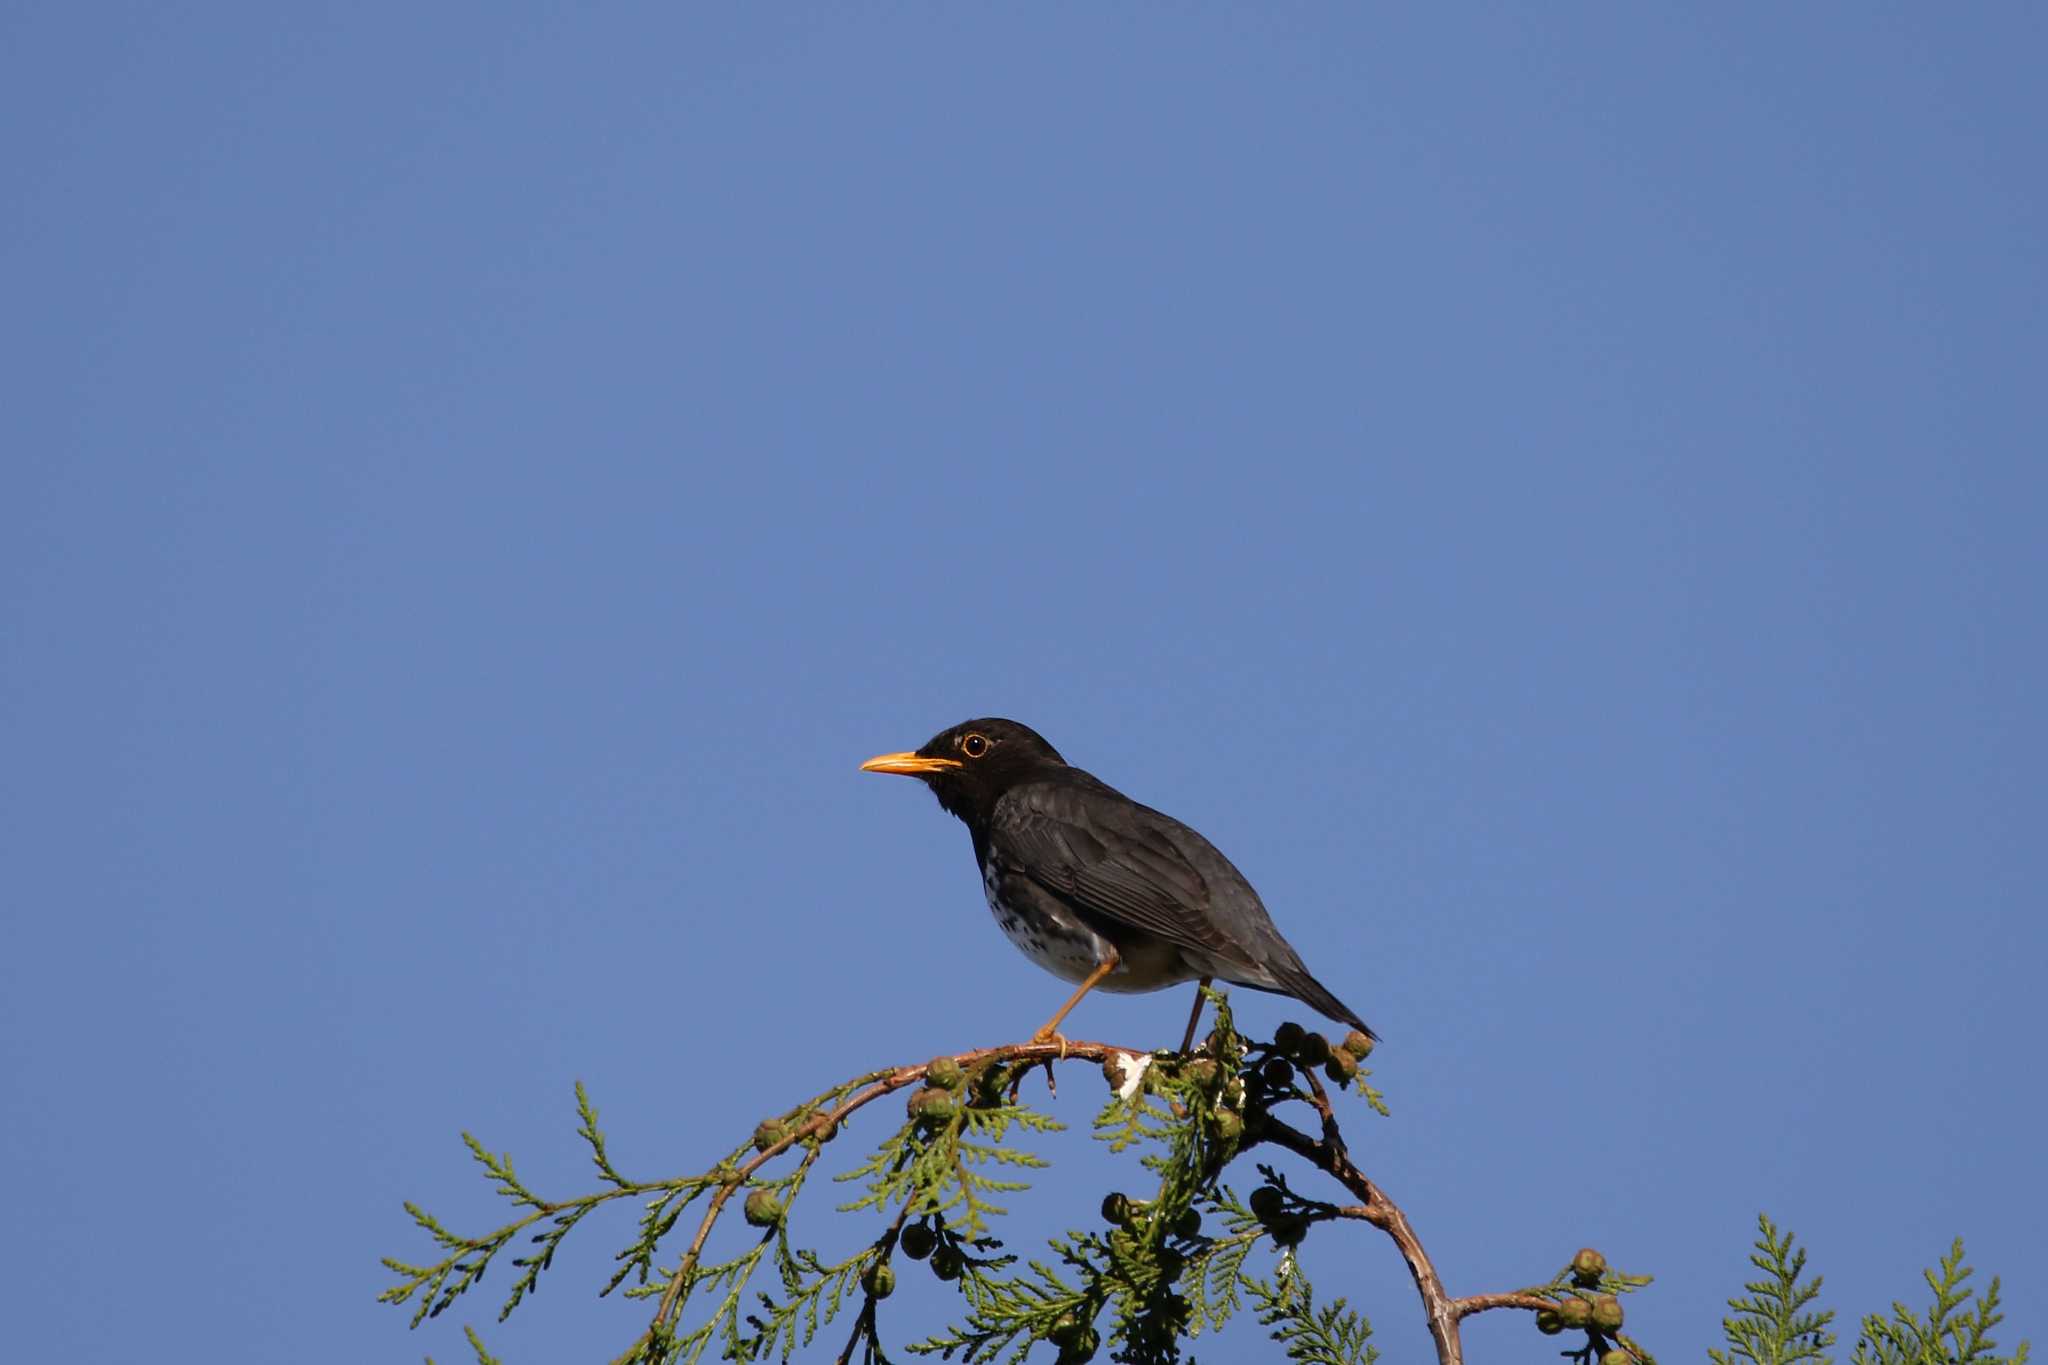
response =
{"points": [[1052, 1025], [1194, 1017]]}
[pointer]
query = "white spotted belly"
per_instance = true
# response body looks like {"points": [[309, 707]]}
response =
{"points": [[1069, 952], [1054, 939]]}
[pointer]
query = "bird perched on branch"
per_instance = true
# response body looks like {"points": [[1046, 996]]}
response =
{"points": [[1096, 888]]}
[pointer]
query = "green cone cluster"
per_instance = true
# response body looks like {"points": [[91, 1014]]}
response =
{"points": [[1581, 1311]]}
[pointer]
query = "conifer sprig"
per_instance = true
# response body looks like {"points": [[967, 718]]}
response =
{"points": [[1332, 1336], [1176, 1255], [1775, 1322], [1951, 1332]]}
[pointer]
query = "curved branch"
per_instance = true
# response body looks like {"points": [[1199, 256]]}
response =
{"points": [[1331, 1158], [1480, 1303], [1444, 1313], [1329, 1155]]}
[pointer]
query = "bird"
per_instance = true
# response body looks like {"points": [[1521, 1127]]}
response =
{"points": [[1096, 888]]}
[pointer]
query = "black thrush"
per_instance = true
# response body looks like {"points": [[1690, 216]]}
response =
{"points": [[1096, 888]]}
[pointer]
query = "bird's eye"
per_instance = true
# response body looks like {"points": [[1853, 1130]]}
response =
{"points": [[974, 745]]}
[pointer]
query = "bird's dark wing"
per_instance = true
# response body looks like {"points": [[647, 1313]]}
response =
{"points": [[1127, 864], [1111, 857]]}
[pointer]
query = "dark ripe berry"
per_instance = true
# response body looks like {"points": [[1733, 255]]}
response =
{"points": [[879, 1280], [945, 1073], [1189, 1224], [1171, 1263], [946, 1263], [1342, 1068], [1117, 1210], [917, 1241], [1079, 1348], [763, 1209], [1359, 1045], [1289, 1231], [1229, 1126], [768, 1133], [1277, 1073], [1607, 1313], [1314, 1050], [1267, 1203], [1548, 1322], [985, 1086], [1288, 1036], [1587, 1265], [932, 1105], [1574, 1313]]}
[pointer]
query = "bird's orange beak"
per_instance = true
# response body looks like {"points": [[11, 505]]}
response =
{"points": [[910, 765]]}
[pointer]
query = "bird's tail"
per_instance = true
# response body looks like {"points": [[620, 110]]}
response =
{"points": [[1295, 981]]}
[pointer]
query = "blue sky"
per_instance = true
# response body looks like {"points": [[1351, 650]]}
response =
{"points": [[1554, 494]]}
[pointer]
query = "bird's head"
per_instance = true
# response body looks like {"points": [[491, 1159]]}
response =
{"points": [[973, 763]]}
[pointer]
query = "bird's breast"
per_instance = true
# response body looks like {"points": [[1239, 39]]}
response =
{"points": [[1047, 930]]}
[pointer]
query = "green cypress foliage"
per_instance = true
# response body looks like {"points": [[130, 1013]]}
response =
{"points": [[1176, 1255]]}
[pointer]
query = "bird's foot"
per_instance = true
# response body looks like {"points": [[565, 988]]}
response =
{"points": [[1044, 1035], [1052, 1035]]}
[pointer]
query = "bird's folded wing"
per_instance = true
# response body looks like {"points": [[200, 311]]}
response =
{"points": [[1110, 857]]}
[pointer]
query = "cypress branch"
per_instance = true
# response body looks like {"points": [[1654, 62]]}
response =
{"points": [[1177, 1254]]}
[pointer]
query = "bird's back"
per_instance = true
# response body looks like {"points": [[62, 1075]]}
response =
{"points": [[1132, 864]]}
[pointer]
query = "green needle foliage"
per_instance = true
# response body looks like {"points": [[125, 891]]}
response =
{"points": [[1952, 1332], [1176, 1255], [1776, 1321], [940, 1162], [1334, 1336]]}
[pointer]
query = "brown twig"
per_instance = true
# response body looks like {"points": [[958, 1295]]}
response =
{"points": [[1384, 1214], [1480, 1303]]}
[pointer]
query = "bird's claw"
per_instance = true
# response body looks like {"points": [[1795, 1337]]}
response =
{"points": [[1048, 1035], [1042, 1036]]}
